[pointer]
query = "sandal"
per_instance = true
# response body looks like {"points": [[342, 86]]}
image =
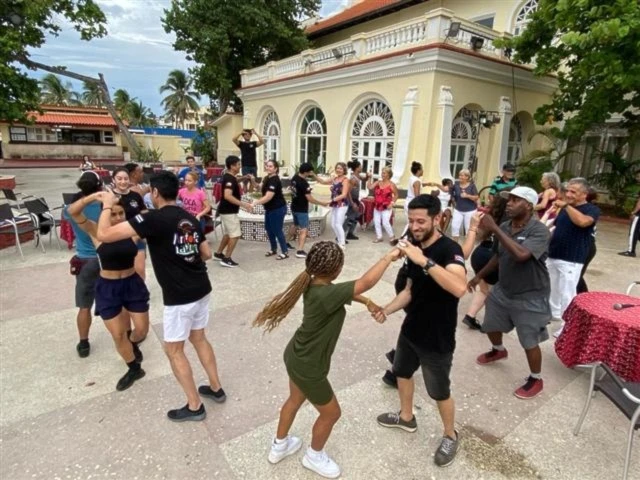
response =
{"points": [[378, 240], [282, 256], [270, 253]]}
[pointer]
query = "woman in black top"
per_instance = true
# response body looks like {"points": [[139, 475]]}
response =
{"points": [[120, 292], [275, 209], [133, 204]]}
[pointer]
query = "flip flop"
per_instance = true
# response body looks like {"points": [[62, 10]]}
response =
{"points": [[282, 256], [270, 253]]}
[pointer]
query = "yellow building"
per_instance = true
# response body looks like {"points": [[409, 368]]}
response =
{"points": [[395, 81]]}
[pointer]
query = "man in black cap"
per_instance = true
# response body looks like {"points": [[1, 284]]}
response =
{"points": [[506, 181]]}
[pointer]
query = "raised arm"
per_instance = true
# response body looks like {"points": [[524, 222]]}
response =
{"points": [[374, 274], [260, 139], [235, 139]]}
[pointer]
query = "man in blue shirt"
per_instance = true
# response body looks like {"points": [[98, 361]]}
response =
{"points": [[191, 167], [569, 246], [86, 260]]}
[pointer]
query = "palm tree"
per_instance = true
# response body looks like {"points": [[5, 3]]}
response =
{"points": [[92, 95], [139, 115], [122, 100], [54, 92], [182, 100]]}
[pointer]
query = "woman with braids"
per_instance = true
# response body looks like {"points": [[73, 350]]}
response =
{"points": [[308, 354]]}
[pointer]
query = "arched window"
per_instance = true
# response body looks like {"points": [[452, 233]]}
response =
{"points": [[523, 16], [271, 136], [463, 142], [372, 137], [514, 151], [313, 139]]}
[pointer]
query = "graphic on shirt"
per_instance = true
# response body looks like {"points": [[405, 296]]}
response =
{"points": [[187, 240]]}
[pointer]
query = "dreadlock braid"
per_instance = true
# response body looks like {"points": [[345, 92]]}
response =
{"points": [[325, 259]]}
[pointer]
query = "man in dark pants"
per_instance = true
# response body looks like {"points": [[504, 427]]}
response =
{"points": [[436, 280], [520, 299], [248, 154]]}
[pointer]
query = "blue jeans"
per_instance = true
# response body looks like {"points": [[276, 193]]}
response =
{"points": [[274, 224]]}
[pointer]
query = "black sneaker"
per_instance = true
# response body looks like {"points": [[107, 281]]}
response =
{"points": [[389, 378], [391, 354], [227, 262], [351, 236], [446, 453], [393, 420], [219, 256], [627, 254], [83, 348], [184, 414], [137, 352], [344, 241], [471, 322], [290, 247], [127, 380], [217, 396], [301, 254]]}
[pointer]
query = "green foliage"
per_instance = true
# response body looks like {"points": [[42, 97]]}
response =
{"points": [[594, 48], [225, 37], [23, 26], [139, 115], [54, 92], [536, 162], [619, 179], [182, 99], [146, 154], [92, 95], [205, 145]]}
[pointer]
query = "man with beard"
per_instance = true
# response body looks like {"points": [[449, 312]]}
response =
{"points": [[520, 299], [436, 280]]}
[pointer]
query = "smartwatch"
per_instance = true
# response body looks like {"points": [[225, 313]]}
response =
{"points": [[427, 267]]}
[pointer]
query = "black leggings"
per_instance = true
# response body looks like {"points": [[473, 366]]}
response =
{"points": [[582, 285]]}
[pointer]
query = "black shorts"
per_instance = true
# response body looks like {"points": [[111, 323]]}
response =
{"points": [[250, 171], [436, 367], [114, 295]]}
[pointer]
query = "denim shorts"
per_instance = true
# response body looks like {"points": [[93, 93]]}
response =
{"points": [[112, 295], [301, 219], [250, 171]]}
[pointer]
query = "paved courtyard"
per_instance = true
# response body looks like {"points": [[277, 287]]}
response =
{"points": [[61, 418]]}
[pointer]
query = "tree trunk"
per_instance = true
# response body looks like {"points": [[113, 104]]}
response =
{"points": [[98, 81]]}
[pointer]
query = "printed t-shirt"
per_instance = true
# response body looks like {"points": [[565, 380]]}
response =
{"points": [[229, 182], [432, 313], [132, 203], [273, 184], [174, 237], [299, 190], [192, 202], [308, 354]]}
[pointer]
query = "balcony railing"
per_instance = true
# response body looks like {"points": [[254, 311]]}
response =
{"points": [[431, 28]]}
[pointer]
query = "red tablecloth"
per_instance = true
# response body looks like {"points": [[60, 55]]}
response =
{"points": [[367, 216], [211, 171], [8, 181], [594, 331], [102, 172], [66, 233]]}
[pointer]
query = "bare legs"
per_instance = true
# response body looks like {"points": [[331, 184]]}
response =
{"points": [[478, 299], [117, 327], [229, 244], [83, 321]]}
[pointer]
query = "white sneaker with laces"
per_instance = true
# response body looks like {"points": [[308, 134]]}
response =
{"points": [[279, 451], [321, 464]]}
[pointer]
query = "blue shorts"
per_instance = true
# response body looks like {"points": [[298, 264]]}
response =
{"points": [[301, 219], [114, 295], [250, 171]]}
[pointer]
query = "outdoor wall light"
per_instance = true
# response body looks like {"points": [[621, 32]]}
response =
{"points": [[476, 42], [454, 29], [338, 54]]}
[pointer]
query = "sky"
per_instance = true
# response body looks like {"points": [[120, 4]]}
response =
{"points": [[135, 55]]}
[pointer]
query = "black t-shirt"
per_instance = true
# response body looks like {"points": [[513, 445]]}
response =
{"points": [[432, 313], [248, 153], [300, 188], [132, 203], [229, 182], [273, 184], [174, 237]]}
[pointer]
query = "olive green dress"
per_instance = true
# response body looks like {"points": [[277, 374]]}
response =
{"points": [[308, 354]]}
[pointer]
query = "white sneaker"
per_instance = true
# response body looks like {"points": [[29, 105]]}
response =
{"points": [[321, 464], [281, 450]]}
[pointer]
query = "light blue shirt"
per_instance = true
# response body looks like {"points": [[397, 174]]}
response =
{"points": [[84, 245]]}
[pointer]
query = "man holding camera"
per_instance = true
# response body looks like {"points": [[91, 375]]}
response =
{"points": [[248, 153]]}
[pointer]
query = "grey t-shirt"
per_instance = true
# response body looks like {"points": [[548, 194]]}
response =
{"points": [[530, 278]]}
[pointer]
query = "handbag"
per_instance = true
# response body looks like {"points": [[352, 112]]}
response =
{"points": [[75, 265]]}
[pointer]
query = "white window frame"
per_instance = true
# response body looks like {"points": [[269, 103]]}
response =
{"points": [[465, 144], [372, 137], [271, 136], [111, 133], [313, 128], [514, 150], [485, 17], [522, 18], [18, 134], [41, 135]]}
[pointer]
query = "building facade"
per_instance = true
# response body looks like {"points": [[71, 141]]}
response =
{"points": [[388, 83]]}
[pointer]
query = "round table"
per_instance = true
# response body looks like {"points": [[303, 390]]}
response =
{"points": [[8, 182], [595, 332], [214, 171]]}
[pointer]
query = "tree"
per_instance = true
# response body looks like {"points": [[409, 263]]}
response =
{"points": [[593, 47], [23, 26], [92, 95], [225, 37], [54, 92], [544, 159], [182, 99], [138, 114]]}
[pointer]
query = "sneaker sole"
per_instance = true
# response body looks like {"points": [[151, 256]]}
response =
{"points": [[446, 464], [492, 361], [141, 374], [300, 256], [221, 399], [227, 265], [401, 427], [310, 466], [273, 460], [515, 394], [193, 418]]}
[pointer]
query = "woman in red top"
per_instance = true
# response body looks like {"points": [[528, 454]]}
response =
{"points": [[385, 194]]}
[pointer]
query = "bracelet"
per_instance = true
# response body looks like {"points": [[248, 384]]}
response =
{"points": [[80, 223], [368, 302]]}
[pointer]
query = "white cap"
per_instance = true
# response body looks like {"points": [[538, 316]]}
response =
{"points": [[529, 194]]}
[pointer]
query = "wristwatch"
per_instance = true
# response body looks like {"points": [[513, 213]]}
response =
{"points": [[427, 267]]}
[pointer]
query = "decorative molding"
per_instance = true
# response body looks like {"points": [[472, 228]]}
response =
{"points": [[411, 98], [446, 96], [505, 106]]}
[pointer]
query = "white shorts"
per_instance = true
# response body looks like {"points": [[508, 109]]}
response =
{"points": [[231, 224], [179, 320]]}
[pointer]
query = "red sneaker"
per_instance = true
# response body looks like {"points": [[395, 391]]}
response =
{"points": [[491, 356], [530, 389]]}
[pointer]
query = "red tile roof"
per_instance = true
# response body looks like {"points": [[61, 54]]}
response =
{"points": [[59, 118], [365, 7]]}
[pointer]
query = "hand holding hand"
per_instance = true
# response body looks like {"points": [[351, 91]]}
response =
{"points": [[109, 199], [394, 254], [379, 315], [411, 251], [487, 223], [475, 219], [372, 306], [559, 204], [472, 284]]}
